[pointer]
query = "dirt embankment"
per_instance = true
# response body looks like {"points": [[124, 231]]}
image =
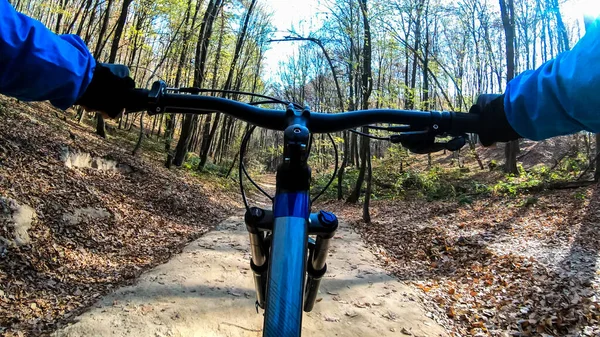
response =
{"points": [[81, 216]]}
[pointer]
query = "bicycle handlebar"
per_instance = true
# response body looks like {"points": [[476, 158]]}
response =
{"points": [[158, 100]]}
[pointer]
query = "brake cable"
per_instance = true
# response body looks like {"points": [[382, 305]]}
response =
{"points": [[368, 135], [335, 150], [417, 141], [196, 91], [241, 165]]}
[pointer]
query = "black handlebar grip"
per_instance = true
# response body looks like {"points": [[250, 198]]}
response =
{"points": [[137, 100], [118, 70], [465, 122]]}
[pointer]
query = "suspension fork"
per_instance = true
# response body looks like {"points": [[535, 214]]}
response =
{"points": [[288, 263], [286, 260], [323, 225], [258, 223], [279, 280]]}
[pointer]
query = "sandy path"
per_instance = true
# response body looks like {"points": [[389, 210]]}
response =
{"points": [[208, 290]]}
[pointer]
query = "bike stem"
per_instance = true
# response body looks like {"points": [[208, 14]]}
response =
{"points": [[280, 264]]}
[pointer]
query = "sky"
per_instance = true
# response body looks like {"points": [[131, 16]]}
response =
{"points": [[301, 16], [305, 16], [579, 8]]}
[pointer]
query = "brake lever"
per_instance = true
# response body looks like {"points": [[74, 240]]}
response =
{"points": [[456, 143], [423, 142], [413, 138]]}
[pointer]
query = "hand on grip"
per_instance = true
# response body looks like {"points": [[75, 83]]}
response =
{"points": [[108, 91]]}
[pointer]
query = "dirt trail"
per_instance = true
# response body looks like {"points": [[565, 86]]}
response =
{"points": [[208, 290]]}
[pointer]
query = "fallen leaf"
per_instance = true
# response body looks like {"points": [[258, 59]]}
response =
{"points": [[331, 318], [146, 308], [233, 293], [351, 314]]}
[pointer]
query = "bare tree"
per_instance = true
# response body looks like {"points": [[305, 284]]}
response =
{"points": [[189, 121], [366, 89], [507, 10], [207, 141]]}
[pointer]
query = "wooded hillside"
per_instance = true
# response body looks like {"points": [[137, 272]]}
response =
{"points": [[451, 223], [412, 54]]}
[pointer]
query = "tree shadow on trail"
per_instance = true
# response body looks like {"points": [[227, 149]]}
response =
{"points": [[581, 262]]}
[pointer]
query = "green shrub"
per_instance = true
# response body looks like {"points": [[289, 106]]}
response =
{"points": [[443, 183], [191, 161], [220, 170], [464, 200], [321, 180], [580, 195]]}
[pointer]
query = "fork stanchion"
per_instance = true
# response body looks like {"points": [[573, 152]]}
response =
{"points": [[258, 221], [323, 225]]}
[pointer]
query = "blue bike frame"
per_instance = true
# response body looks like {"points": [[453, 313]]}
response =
{"points": [[287, 271], [287, 267]]}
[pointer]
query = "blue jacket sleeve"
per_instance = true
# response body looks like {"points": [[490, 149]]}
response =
{"points": [[560, 97], [38, 65]]}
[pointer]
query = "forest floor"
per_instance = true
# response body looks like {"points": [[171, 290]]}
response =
{"points": [[208, 290], [83, 217], [522, 266]]}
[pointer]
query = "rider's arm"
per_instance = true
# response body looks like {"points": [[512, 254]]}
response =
{"points": [[37, 65], [560, 97]]}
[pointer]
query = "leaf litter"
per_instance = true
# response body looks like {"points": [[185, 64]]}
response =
{"points": [[152, 213], [496, 267]]}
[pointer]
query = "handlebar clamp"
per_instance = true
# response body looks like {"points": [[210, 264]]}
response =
{"points": [[154, 98]]}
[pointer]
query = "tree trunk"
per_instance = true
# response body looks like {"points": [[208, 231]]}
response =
{"points": [[508, 22], [207, 142], [366, 89], [184, 139], [89, 25], [209, 132], [160, 124], [349, 155], [100, 124], [154, 120], [410, 102], [84, 4], [138, 145], [214, 6], [342, 169], [119, 31], [204, 35], [171, 118], [59, 17], [366, 215], [355, 194]]}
